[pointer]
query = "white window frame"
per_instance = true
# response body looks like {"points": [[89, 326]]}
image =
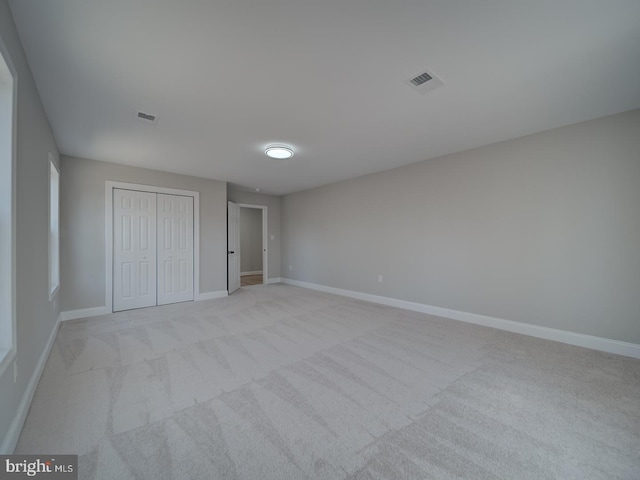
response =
{"points": [[8, 140], [54, 228]]}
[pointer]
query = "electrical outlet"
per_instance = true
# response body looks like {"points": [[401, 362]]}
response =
{"points": [[379, 278], [273, 237], [290, 267], [15, 371]]}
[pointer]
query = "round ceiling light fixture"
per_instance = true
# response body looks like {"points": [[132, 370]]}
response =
{"points": [[280, 152]]}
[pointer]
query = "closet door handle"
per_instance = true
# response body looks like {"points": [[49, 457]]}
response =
{"points": [[230, 252]]}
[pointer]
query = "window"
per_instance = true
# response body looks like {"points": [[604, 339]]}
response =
{"points": [[54, 228], [7, 210]]}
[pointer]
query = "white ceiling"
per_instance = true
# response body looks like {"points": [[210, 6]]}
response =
{"points": [[228, 77]]}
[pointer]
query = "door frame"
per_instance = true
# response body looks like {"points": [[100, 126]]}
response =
{"points": [[108, 195], [265, 238]]}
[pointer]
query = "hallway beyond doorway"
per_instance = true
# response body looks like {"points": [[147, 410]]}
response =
{"points": [[247, 280]]}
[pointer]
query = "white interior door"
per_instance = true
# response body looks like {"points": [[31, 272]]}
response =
{"points": [[233, 246], [175, 249], [134, 249]]}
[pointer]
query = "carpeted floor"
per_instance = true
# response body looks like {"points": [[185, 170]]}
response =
{"points": [[279, 382]]}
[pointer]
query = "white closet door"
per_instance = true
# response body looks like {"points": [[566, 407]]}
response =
{"points": [[134, 249], [175, 249]]}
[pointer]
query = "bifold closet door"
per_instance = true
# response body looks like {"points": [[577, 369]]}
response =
{"points": [[134, 249], [175, 249]]}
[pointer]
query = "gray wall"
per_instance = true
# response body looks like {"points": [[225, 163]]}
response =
{"points": [[83, 226], [544, 229], [273, 204], [250, 240], [35, 315]]}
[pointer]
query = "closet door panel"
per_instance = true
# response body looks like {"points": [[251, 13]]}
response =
{"points": [[175, 249], [134, 249]]}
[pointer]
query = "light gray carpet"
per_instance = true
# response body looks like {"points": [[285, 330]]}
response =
{"points": [[278, 382]]}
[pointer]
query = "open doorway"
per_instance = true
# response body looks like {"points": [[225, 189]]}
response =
{"points": [[253, 252]]}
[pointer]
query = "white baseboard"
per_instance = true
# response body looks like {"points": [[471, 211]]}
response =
{"points": [[274, 280], [13, 434], [83, 313], [257, 272], [97, 311], [563, 336], [212, 295]]}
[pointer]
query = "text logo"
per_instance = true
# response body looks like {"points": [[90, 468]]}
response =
{"points": [[45, 467]]}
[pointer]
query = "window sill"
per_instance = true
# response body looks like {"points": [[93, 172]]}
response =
{"points": [[53, 294]]}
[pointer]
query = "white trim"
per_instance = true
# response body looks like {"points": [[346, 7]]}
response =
{"points": [[8, 298], [98, 311], [6, 357], [257, 272], [53, 289], [13, 434], [54, 283], [212, 295], [274, 280], [108, 196], [53, 294], [588, 341], [265, 240], [83, 313]]}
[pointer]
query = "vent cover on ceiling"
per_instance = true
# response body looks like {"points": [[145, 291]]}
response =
{"points": [[147, 118], [420, 79], [424, 82]]}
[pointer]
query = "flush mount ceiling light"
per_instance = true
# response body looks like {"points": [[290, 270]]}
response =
{"points": [[278, 151]]}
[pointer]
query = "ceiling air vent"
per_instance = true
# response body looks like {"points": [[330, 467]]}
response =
{"points": [[424, 82], [147, 118], [420, 79]]}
